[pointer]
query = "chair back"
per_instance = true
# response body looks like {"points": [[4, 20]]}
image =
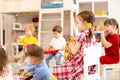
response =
{"points": [[92, 63]]}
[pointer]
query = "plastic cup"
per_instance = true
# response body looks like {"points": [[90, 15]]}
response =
{"points": [[98, 36]]}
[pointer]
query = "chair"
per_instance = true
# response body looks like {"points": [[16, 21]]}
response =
{"points": [[114, 69], [111, 68], [91, 62]]}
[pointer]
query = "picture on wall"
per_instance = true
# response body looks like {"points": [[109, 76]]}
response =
{"points": [[17, 26]]}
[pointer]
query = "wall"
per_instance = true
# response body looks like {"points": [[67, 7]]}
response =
{"points": [[0, 22], [21, 5], [114, 10]]}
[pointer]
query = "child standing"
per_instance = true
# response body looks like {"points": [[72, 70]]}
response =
{"points": [[110, 40], [28, 39], [38, 67], [58, 42], [5, 73], [72, 69]]}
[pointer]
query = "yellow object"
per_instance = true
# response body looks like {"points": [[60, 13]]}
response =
{"points": [[67, 53], [52, 77], [101, 26], [114, 68], [28, 40], [89, 25]]}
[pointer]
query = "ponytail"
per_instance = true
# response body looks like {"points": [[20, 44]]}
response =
{"points": [[89, 17], [90, 34]]}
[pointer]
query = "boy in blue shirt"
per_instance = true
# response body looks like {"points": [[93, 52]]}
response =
{"points": [[37, 66]]}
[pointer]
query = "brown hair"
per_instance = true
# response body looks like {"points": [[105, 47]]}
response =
{"points": [[31, 27], [3, 59], [112, 21], [90, 18], [35, 50], [57, 28]]}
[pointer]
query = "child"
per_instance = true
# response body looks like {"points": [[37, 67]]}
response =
{"points": [[72, 69], [58, 42], [38, 67], [5, 72], [27, 39], [110, 40]]}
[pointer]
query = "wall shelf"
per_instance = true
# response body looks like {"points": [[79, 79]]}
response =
{"points": [[99, 7]]}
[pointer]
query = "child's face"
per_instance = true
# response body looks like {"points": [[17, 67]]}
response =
{"points": [[80, 24], [109, 29], [56, 34], [32, 60], [28, 32]]}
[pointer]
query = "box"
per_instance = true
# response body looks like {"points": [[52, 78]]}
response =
{"points": [[112, 73], [17, 26]]}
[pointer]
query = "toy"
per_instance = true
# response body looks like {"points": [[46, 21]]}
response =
{"points": [[68, 54], [50, 51]]}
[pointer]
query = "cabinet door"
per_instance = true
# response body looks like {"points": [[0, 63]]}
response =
{"points": [[101, 11], [99, 7], [21, 5], [27, 5], [1, 30], [9, 5], [8, 21], [85, 6], [48, 21]]}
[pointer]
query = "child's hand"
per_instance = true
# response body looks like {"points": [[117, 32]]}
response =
{"points": [[18, 39], [19, 62], [102, 34], [25, 72]]}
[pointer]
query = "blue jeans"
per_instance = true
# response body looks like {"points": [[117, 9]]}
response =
{"points": [[57, 58]]}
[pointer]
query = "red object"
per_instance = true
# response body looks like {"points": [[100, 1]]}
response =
{"points": [[111, 53], [50, 51], [95, 28], [107, 31], [36, 19]]}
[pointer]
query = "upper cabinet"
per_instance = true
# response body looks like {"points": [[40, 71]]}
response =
{"points": [[71, 5], [99, 7], [21, 5]]}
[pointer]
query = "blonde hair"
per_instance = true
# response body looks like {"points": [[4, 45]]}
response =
{"points": [[31, 27]]}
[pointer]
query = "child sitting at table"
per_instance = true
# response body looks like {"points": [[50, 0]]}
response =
{"points": [[37, 66], [58, 42]]}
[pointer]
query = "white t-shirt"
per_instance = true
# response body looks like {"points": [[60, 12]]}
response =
{"points": [[58, 43]]}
